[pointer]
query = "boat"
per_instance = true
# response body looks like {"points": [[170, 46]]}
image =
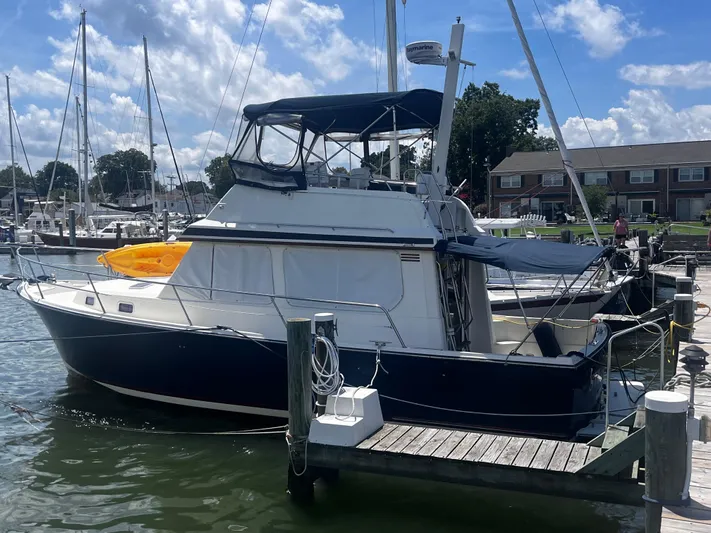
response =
{"points": [[145, 260], [103, 232], [407, 284]]}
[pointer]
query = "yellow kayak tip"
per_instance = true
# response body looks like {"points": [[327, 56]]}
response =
{"points": [[145, 260]]}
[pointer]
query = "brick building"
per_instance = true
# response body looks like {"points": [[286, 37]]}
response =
{"points": [[670, 179]]}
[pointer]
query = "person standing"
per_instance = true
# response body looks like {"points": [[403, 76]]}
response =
{"points": [[621, 228]]}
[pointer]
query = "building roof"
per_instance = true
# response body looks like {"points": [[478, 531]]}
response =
{"points": [[609, 157]]}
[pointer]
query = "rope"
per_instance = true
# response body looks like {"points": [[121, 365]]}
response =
{"points": [[703, 380]]}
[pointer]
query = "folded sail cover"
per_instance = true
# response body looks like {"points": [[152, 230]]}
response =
{"points": [[358, 113], [525, 255]]}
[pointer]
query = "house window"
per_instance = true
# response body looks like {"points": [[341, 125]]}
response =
{"points": [[642, 176], [691, 174], [510, 182], [552, 180], [596, 178], [641, 207]]}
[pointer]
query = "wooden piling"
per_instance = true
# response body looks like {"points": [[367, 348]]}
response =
{"points": [[691, 265], [299, 344], [118, 235], [324, 327], [165, 225], [61, 233], [643, 265], [565, 236], [643, 236], [665, 454], [72, 227], [684, 285]]}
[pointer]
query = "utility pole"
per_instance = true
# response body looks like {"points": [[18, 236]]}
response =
{"points": [[12, 155], [87, 199], [150, 124], [487, 165], [391, 25], [78, 112]]}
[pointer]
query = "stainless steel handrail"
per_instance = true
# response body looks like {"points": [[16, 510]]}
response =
{"points": [[609, 362], [272, 297]]}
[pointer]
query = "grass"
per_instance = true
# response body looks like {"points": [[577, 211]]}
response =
{"points": [[688, 228]]}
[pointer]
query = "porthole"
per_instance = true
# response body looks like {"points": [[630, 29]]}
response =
{"points": [[125, 308]]}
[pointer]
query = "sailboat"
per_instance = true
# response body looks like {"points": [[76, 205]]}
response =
{"points": [[407, 284]]}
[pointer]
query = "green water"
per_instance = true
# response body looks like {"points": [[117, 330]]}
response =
{"points": [[65, 472]]}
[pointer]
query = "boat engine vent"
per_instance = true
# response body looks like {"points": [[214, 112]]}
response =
{"points": [[408, 257]]}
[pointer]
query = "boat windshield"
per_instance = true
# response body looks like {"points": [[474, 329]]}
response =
{"points": [[296, 143]]}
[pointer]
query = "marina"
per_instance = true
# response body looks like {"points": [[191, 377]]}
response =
{"points": [[403, 308]]}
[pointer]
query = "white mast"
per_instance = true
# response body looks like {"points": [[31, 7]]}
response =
{"points": [[565, 155], [391, 23], [81, 210], [87, 199], [150, 126], [12, 155]]}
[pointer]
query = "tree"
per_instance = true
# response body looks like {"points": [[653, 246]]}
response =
{"points": [[486, 124], [116, 171], [65, 177], [340, 170], [379, 161], [538, 143], [220, 175], [596, 197], [22, 178], [193, 187]]}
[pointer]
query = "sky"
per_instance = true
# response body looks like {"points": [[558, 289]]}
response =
{"points": [[639, 69]]}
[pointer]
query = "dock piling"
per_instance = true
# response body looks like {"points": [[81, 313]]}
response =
{"points": [[72, 221], [165, 224], [683, 317], [665, 453], [61, 233], [118, 235], [300, 483]]}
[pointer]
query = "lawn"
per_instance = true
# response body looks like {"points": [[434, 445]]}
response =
{"points": [[688, 228]]}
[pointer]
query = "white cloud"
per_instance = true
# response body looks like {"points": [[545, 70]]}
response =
{"points": [[695, 75], [521, 72], [645, 117], [604, 28]]}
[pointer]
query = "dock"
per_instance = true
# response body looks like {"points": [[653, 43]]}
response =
{"points": [[623, 465]]}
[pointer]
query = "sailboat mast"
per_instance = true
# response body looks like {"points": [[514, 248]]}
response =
{"points": [[81, 209], [150, 125], [87, 199], [12, 155], [391, 24], [565, 155]]}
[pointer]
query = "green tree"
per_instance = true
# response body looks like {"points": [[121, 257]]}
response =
{"points": [[22, 178], [379, 161], [486, 124], [57, 194], [220, 175], [340, 170], [538, 143], [596, 197], [116, 171], [65, 177], [425, 160], [194, 187]]}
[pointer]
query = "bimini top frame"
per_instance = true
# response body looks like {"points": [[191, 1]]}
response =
{"points": [[260, 160]]}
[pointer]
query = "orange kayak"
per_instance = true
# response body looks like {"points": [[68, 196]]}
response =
{"points": [[145, 260]]}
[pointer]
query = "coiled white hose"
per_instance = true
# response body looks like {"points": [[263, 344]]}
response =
{"points": [[327, 375]]}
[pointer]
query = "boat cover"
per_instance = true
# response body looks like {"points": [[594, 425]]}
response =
{"points": [[525, 255], [358, 113]]}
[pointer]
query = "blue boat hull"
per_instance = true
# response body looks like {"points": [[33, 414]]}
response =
{"points": [[224, 371]]}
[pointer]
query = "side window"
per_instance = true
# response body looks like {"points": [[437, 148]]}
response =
{"points": [[242, 269], [364, 276]]}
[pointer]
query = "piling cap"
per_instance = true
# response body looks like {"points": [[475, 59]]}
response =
{"points": [[323, 317], [683, 297], [663, 401], [686, 279]]}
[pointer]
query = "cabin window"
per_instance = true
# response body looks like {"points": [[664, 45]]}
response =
{"points": [[365, 276], [125, 308], [242, 269], [89, 300]]}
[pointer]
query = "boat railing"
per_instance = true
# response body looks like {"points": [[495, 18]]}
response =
{"points": [[175, 286]]}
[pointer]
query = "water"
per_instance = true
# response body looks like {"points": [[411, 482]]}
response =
{"points": [[73, 471]]}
